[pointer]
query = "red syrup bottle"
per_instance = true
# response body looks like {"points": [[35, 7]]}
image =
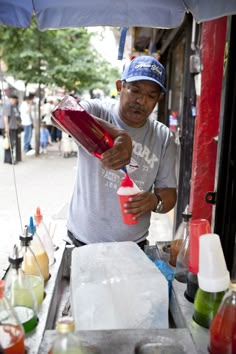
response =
{"points": [[82, 127], [73, 119], [223, 326]]}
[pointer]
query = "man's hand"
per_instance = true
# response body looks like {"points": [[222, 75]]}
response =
{"points": [[120, 154], [145, 202], [140, 204]]}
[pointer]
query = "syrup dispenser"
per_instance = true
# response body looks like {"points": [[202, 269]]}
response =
{"points": [[39, 250], [43, 233], [31, 267], [20, 293]]}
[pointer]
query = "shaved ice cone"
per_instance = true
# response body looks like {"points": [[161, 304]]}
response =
{"points": [[126, 190]]}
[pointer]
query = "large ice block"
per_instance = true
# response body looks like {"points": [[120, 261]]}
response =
{"points": [[115, 285]]}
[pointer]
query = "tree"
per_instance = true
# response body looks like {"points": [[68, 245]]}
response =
{"points": [[62, 58]]}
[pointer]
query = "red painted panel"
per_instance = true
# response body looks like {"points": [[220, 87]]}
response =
{"points": [[207, 119]]}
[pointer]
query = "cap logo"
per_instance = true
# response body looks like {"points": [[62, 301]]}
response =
{"points": [[153, 67]]}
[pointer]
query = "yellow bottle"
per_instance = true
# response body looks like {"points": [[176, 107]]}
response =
{"points": [[43, 233], [39, 251], [31, 267]]}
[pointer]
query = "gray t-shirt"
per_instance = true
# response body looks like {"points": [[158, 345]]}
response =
{"points": [[94, 213], [13, 114]]}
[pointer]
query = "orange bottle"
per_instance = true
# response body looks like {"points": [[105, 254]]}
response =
{"points": [[223, 326]]}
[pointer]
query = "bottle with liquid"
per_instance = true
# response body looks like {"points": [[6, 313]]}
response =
{"points": [[180, 235], [43, 233], [11, 331], [213, 278], [84, 129], [181, 270], [39, 250], [205, 306], [223, 325], [66, 341], [20, 292], [31, 267]]}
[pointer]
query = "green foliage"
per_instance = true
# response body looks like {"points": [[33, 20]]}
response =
{"points": [[62, 58]]}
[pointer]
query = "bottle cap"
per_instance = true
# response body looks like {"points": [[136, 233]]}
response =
{"points": [[65, 324], [38, 216], [26, 238], [31, 226], [186, 214], [15, 259], [213, 275], [232, 285]]}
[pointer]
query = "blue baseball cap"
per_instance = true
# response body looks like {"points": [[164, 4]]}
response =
{"points": [[145, 68]]}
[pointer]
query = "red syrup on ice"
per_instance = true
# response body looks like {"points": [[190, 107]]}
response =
{"points": [[84, 129], [126, 181]]}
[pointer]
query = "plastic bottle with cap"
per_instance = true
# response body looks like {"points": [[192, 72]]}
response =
{"points": [[20, 293], [66, 341], [11, 330], [43, 233], [180, 236], [223, 326], [181, 270], [31, 267], [213, 279], [39, 250]]}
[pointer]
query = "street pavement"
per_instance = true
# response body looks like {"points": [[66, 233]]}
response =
{"points": [[45, 181]]}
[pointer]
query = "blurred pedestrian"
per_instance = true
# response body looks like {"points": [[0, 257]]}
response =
{"points": [[27, 123], [49, 104], [69, 146], [12, 121], [44, 138], [58, 137]]}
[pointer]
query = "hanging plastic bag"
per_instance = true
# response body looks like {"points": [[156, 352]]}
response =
{"points": [[6, 143]]}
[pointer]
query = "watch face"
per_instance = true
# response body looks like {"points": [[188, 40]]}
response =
{"points": [[159, 206]]}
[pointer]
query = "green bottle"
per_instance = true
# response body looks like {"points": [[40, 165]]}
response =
{"points": [[20, 293], [213, 279], [206, 305]]}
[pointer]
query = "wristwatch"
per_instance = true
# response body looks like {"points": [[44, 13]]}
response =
{"points": [[160, 204]]}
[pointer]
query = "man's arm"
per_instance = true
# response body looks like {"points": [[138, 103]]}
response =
{"points": [[145, 202], [168, 196]]}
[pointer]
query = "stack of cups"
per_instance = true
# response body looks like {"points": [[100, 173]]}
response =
{"points": [[197, 228], [213, 279]]}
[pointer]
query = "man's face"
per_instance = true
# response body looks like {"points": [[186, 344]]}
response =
{"points": [[137, 101]]}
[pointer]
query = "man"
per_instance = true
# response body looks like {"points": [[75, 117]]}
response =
{"points": [[27, 123], [11, 117], [94, 213]]}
